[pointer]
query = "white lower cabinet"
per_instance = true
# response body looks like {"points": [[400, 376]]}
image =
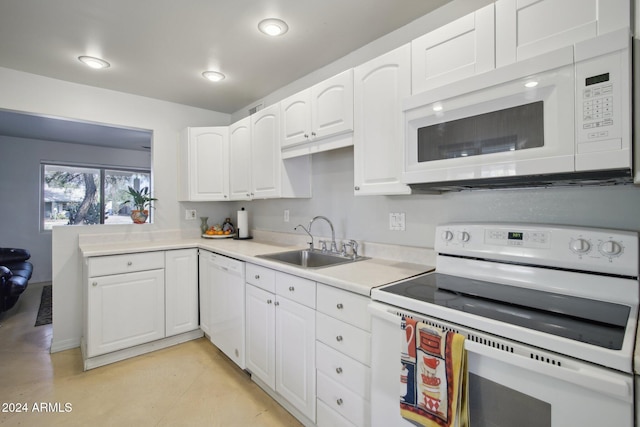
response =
{"points": [[181, 291], [343, 358], [280, 336], [124, 310], [136, 303]]}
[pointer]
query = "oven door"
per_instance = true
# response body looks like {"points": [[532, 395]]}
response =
{"points": [[505, 387], [514, 121]]}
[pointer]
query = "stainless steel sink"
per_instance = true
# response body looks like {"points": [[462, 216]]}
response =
{"points": [[307, 258]]}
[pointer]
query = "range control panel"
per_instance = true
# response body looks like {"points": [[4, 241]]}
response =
{"points": [[588, 249]]}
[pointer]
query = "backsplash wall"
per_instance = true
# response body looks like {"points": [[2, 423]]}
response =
{"points": [[367, 217]]}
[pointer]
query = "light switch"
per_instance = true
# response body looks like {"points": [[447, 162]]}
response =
{"points": [[396, 221]]}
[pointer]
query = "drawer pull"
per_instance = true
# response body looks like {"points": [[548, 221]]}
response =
{"points": [[340, 306], [257, 277], [129, 263], [339, 402], [338, 370], [95, 283], [276, 303], [339, 338], [291, 288], [269, 301]]}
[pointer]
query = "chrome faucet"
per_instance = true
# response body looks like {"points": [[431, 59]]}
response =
{"points": [[306, 231], [334, 247]]}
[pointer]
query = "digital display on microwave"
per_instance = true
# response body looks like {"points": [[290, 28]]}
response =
{"points": [[514, 235], [596, 79]]}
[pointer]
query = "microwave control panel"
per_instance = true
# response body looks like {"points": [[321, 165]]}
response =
{"points": [[599, 102]]}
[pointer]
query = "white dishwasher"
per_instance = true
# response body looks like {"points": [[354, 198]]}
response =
{"points": [[222, 305]]}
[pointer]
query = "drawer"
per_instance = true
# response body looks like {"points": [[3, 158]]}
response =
{"points": [[352, 341], [344, 305], [261, 277], [343, 401], [296, 289], [127, 263], [344, 370], [327, 417]]}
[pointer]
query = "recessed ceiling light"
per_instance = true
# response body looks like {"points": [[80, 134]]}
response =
{"points": [[273, 27], [94, 62], [214, 76]]}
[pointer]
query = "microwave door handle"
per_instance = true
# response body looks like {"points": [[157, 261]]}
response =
{"points": [[583, 376]]}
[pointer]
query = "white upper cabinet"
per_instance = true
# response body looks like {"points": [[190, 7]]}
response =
{"points": [[379, 87], [204, 164], [526, 28], [319, 118], [240, 160], [271, 176], [265, 152], [460, 49]]}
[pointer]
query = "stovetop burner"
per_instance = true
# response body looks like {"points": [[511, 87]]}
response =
{"points": [[580, 319]]}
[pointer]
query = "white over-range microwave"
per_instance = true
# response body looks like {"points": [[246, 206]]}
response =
{"points": [[563, 117]]}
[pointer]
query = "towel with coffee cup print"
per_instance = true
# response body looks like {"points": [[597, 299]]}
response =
{"points": [[433, 376]]}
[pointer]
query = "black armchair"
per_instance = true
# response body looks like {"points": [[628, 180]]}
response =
{"points": [[15, 272]]}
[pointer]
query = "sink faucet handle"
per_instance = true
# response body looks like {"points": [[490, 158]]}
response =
{"points": [[354, 248], [323, 245]]}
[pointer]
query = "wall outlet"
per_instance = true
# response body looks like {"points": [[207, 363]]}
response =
{"points": [[286, 215], [396, 221], [190, 214]]}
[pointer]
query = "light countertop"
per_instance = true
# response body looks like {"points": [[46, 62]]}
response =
{"points": [[359, 277]]}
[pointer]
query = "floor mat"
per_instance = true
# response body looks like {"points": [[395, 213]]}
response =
{"points": [[45, 312]]}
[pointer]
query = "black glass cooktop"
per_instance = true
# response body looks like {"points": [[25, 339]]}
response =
{"points": [[593, 322]]}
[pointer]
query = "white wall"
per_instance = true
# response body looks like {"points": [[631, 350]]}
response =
{"points": [[20, 182], [36, 94], [367, 217]]}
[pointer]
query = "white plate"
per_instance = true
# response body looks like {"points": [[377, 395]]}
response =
{"points": [[218, 236]]}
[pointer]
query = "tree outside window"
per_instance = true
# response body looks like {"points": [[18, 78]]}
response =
{"points": [[78, 195]]}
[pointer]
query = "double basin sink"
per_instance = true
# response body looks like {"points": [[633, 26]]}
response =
{"points": [[310, 259]]}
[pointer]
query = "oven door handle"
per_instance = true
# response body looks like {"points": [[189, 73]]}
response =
{"points": [[583, 376]]}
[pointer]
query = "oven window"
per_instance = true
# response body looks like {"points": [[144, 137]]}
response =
{"points": [[511, 129], [494, 405]]}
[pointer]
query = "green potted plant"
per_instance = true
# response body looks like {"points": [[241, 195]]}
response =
{"points": [[140, 200]]}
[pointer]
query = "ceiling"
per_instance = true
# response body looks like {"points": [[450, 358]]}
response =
{"points": [[159, 48]]}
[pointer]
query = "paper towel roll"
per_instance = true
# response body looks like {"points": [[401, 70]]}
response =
{"points": [[243, 224]]}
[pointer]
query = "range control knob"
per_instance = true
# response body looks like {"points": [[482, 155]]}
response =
{"points": [[580, 246], [447, 236], [463, 236], [610, 248]]}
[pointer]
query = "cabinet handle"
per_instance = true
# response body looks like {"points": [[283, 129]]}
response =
{"points": [[357, 188], [291, 288], [95, 283], [338, 370], [257, 277], [248, 195], [269, 301], [339, 338], [306, 136], [339, 402], [129, 263], [313, 134], [340, 306], [276, 303]]}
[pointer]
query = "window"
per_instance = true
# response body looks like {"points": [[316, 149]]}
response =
{"points": [[80, 195]]}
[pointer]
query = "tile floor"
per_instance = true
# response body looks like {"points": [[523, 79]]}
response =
{"points": [[192, 384]]}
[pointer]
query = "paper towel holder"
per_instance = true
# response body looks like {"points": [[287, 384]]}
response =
{"points": [[237, 236]]}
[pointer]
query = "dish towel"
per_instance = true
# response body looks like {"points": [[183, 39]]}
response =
{"points": [[433, 376]]}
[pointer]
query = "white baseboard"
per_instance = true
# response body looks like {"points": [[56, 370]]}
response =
{"points": [[63, 345]]}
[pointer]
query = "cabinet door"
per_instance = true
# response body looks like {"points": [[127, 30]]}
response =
{"points": [[295, 113], [526, 28], [205, 274], [260, 334], [204, 163], [380, 85], [295, 355], [124, 310], [332, 106], [265, 154], [240, 160], [460, 49], [181, 291]]}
